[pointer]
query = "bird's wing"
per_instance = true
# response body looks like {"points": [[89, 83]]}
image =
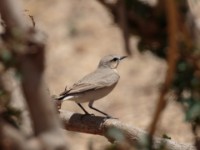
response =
{"points": [[93, 81]]}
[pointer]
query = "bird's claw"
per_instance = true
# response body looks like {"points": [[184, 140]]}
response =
{"points": [[86, 114], [110, 117]]}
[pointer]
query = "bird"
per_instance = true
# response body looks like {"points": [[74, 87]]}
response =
{"points": [[95, 85]]}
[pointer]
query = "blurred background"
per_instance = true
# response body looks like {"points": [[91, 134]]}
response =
{"points": [[80, 32]]}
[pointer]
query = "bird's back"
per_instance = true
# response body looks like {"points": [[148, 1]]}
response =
{"points": [[99, 79]]}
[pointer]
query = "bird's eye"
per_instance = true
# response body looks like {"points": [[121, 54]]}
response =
{"points": [[115, 59]]}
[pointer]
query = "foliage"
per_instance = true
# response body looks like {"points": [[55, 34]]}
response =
{"points": [[7, 112], [151, 24], [154, 37]]}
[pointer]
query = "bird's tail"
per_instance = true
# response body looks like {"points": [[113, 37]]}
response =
{"points": [[60, 97], [63, 95]]}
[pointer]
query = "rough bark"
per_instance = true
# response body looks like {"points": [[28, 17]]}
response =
{"points": [[101, 126], [29, 50]]}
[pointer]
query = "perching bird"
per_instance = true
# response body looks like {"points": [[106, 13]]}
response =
{"points": [[96, 84]]}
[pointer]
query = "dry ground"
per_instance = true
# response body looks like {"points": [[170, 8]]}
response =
{"points": [[79, 33]]}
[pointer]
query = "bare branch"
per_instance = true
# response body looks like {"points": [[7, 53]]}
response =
{"points": [[31, 65], [119, 10], [15, 139], [122, 13], [172, 57], [101, 126], [12, 15]]}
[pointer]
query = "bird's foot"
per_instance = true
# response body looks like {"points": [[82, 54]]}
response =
{"points": [[89, 114], [110, 117], [86, 114]]}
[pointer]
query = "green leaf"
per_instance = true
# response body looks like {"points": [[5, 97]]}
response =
{"points": [[165, 136], [116, 133], [6, 56], [193, 112]]}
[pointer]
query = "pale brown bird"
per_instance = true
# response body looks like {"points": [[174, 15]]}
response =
{"points": [[96, 84]]}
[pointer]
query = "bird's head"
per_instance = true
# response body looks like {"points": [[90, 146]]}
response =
{"points": [[110, 61]]}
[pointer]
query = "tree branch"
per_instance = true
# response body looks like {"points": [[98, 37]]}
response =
{"points": [[119, 12], [122, 15], [101, 126], [172, 57], [11, 138], [47, 126]]}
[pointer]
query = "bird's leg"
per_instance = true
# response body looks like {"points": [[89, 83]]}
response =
{"points": [[90, 105], [82, 108]]}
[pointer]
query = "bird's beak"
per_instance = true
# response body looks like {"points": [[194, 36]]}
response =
{"points": [[122, 57]]}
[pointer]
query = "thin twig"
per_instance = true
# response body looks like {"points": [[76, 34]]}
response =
{"points": [[32, 20], [122, 15], [119, 12], [172, 57]]}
